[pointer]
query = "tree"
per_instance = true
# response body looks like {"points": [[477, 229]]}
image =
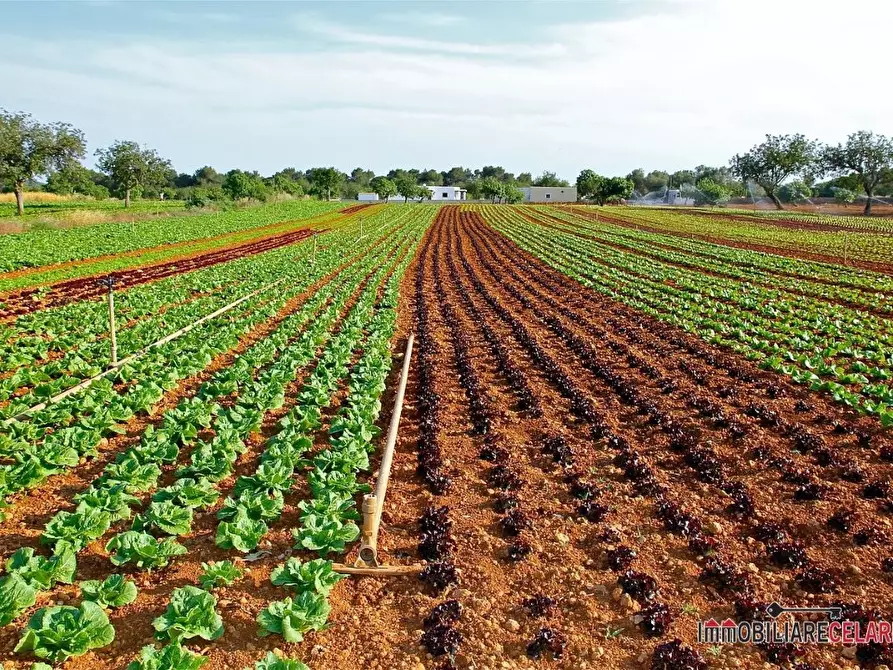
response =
{"points": [[131, 167], [431, 178], [637, 177], [239, 185], [774, 161], [525, 179], [361, 177], [712, 192], [866, 154], [492, 188], [681, 177], [324, 182], [455, 176], [184, 180], [202, 196], [496, 171], [549, 179], [844, 196], [207, 176], [589, 184], [656, 180], [292, 175], [512, 194], [74, 178], [473, 189], [603, 189], [795, 191], [615, 189], [29, 149], [384, 187], [282, 184], [407, 187]]}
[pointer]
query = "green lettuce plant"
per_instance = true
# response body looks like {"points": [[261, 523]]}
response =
{"points": [[190, 613], [219, 573], [58, 633], [113, 591], [291, 618]]}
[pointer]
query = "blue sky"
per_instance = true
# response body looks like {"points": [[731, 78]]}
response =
{"points": [[605, 84]]}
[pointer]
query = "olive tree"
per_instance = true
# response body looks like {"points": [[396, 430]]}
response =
{"points": [[383, 187], [866, 154], [492, 188], [325, 182], [407, 187], [29, 149], [777, 159], [132, 167]]}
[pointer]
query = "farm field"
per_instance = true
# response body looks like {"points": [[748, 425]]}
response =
{"points": [[49, 206], [856, 241], [618, 423], [45, 256]]}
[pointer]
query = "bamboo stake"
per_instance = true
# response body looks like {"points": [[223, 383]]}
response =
{"points": [[112, 329], [124, 361], [374, 504], [383, 571], [109, 283]]}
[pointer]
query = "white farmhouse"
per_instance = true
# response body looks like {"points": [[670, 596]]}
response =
{"points": [[367, 197], [549, 193], [447, 193]]}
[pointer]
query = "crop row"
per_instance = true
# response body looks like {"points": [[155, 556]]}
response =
{"points": [[136, 470], [720, 574], [548, 640], [43, 247], [246, 404], [327, 522], [819, 343], [866, 246], [822, 282], [765, 265]]}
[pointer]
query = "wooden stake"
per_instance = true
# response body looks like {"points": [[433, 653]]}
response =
{"points": [[124, 361], [374, 503], [112, 330], [383, 571]]}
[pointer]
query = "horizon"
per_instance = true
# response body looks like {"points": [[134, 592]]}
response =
{"points": [[537, 87]]}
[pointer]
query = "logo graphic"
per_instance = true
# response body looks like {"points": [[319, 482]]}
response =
{"points": [[833, 630]]}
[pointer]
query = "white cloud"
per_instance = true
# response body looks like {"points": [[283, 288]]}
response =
{"points": [[340, 33], [692, 84], [433, 19], [192, 17]]}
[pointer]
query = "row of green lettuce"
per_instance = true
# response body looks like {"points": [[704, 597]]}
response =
{"points": [[71, 343], [42, 247], [57, 437], [110, 498], [862, 245], [328, 518], [356, 421]]}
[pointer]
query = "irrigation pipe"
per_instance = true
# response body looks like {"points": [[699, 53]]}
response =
{"points": [[374, 502], [132, 357]]}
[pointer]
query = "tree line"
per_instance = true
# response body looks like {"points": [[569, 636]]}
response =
{"points": [[784, 168]]}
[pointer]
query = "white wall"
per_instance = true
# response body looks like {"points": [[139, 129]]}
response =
{"points": [[441, 193]]}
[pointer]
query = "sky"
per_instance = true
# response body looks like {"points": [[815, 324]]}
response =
{"points": [[609, 85]]}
